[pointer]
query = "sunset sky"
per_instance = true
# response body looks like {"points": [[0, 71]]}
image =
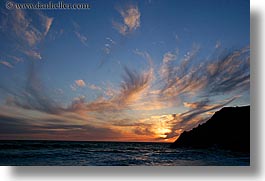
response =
{"points": [[122, 70]]}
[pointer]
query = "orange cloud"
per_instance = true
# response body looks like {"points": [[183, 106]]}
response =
{"points": [[135, 110], [134, 85], [131, 20], [47, 24], [190, 105], [212, 68]]}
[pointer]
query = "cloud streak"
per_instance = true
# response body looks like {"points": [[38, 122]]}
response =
{"points": [[33, 54], [7, 64], [229, 73], [47, 21], [82, 38], [53, 128], [33, 96]]}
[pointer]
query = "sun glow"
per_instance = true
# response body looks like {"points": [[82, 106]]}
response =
{"points": [[161, 132]]}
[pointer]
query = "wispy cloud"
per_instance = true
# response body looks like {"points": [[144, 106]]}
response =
{"points": [[167, 58], [26, 32], [108, 45], [108, 48], [94, 87], [131, 20], [194, 105], [47, 22], [33, 96], [218, 44], [23, 28], [81, 37], [15, 58], [179, 77], [132, 89], [227, 73], [33, 54], [45, 126], [184, 82], [134, 84], [7, 64], [111, 40]]}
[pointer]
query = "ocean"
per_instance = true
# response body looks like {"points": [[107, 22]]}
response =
{"points": [[68, 153]]}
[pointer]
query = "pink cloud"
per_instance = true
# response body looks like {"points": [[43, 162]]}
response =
{"points": [[7, 64], [80, 83]]}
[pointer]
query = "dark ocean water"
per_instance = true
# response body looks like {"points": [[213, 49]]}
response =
{"points": [[112, 154]]}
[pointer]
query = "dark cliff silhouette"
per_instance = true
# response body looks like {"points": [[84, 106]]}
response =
{"points": [[228, 128]]}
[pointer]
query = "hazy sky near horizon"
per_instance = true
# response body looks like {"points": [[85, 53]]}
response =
{"points": [[123, 70]]}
